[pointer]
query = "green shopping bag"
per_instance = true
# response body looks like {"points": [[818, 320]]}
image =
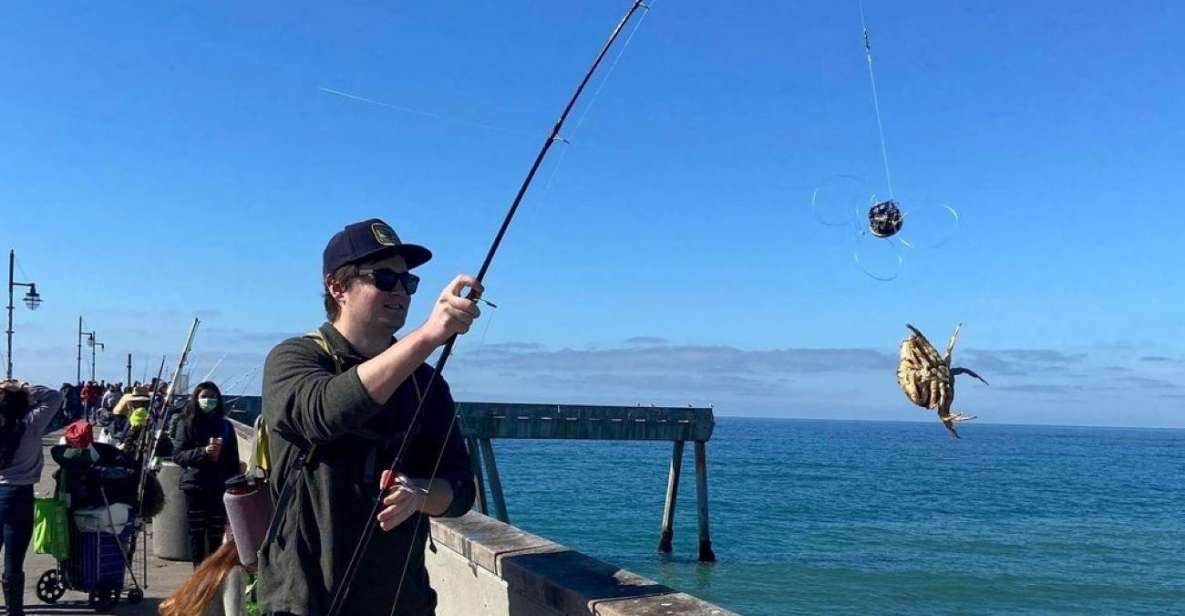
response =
{"points": [[51, 528]]}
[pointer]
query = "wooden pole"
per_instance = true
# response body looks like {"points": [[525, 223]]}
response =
{"points": [[487, 454], [475, 466], [668, 510], [701, 504]]}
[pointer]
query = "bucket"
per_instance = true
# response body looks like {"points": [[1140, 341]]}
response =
{"points": [[170, 527]]}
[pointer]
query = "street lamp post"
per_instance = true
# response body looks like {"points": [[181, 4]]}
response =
{"points": [[78, 365], [93, 344], [32, 300]]}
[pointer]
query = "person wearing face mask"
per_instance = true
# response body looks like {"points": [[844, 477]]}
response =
{"points": [[204, 445]]}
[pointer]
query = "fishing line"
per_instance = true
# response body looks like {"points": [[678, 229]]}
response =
{"points": [[592, 100], [569, 140], [421, 112], [876, 105]]}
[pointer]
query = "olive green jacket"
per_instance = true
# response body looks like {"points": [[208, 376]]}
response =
{"points": [[306, 401]]}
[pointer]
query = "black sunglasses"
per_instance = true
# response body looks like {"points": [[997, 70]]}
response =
{"points": [[385, 279]]}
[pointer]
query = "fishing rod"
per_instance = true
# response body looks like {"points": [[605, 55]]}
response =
{"points": [[144, 436], [159, 424], [239, 380], [216, 364], [413, 431]]}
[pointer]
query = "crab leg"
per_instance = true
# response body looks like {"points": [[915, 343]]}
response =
{"points": [[950, 346], [958, 371], [937, 397]]}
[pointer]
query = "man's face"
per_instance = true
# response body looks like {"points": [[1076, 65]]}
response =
{"points": [[365, 303]]}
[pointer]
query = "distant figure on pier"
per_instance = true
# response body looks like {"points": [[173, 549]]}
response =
{"points": [[113, 425], [25, 414], [72, 409], [204, 445], [338, 404], [92, 394], [110, 397]]}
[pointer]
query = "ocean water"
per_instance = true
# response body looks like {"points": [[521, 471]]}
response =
{"points": [[841, 517]]}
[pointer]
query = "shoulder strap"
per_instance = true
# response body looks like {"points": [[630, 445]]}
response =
{"points": [[259, 453], [319, 338], [261, 456]]}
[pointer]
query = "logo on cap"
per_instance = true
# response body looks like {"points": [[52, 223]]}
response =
{"points": [[384, 234]]}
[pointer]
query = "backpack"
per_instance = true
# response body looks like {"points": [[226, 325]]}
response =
{"points": [[253, 517]]}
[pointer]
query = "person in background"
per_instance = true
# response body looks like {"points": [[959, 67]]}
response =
{"points": [[110, 397], [25, 414], [85, 393], [73, 401], [204, 445], [92, 394], [137, 423]]}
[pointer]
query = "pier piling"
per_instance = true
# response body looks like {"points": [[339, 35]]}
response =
{"points": [[475, 464], [487, 454], [701, 502], [668, 510]]}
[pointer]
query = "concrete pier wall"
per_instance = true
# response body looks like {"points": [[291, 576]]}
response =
{"points": [[482, 567]]}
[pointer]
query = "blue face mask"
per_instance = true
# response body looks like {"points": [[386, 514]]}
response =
{"points": [[207, 404]]}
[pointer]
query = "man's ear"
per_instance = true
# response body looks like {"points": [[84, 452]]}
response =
{"points": [[335, 289]]}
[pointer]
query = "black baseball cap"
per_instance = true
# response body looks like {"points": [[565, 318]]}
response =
{"points": [[369, 240]]}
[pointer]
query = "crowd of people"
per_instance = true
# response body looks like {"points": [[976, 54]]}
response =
{"points": [[342, 406], [88, 399], [198, 438]]}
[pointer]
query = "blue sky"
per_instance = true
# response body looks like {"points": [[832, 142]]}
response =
{"points": [[165, 161]]}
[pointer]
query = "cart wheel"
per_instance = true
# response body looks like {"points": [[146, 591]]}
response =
{"points": [[103, 599], [135, 596], [50, 587]]}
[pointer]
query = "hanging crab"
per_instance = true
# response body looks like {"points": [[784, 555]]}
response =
{"points": [[927, 378]]}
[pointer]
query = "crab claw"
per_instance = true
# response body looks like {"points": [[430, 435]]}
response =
{"points": [[958, 371], [949, 418]]}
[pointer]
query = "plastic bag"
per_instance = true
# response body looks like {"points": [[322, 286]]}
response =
{"points": [[51, 528]]}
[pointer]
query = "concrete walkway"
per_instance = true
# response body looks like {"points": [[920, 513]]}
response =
{"points": [[163, 576]]}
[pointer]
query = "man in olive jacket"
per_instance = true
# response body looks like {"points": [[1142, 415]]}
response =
{"points": [[353, 407]]}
